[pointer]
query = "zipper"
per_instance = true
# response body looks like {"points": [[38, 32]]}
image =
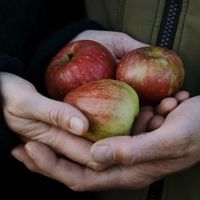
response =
{"points": [[169, 23], [166, 39]]}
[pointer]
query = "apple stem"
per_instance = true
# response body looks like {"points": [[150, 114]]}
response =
{"points": [[70, 55]]}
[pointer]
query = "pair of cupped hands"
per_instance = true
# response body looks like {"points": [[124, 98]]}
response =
{"points": [[165, 138]]}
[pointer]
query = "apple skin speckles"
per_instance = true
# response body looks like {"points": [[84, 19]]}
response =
{"points": [[77, 63], [154, 72]]}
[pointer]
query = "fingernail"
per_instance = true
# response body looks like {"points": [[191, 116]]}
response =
{"points": [[76, 125], [102, 153], [16, 156], [29, 150]]}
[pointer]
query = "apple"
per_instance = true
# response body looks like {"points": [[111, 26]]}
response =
{"points": [[154, 72], [110, 106], [77, 63]]}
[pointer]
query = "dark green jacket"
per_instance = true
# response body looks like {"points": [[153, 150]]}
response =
{"points": [[146, 20], [142, 19]]}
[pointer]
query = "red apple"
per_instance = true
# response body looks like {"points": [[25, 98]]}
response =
{"points": [[110, 106], [77, 63], [154, 72]]}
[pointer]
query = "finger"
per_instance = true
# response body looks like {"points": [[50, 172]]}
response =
{"points": [[155, 122], [26, 102], [71, 174], [71, 146], [21, 155], [128, 44], [158, 144], [182, 96], [166, 106], [57, 113], [141, 123], [75, 148], [35, 148], [68, 145], [79, 178]]}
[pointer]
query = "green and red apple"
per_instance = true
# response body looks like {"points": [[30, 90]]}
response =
{"points": [[110, 106]]}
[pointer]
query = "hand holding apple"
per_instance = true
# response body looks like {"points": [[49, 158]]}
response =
{"points": [[33, 117], [118, 43], [154, 72], [44, 161], [77, 63], [110, 106]]}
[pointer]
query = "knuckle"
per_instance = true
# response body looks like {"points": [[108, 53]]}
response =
{"points": [[125, 156], [129, 159], [130, 155], [54, 115]]}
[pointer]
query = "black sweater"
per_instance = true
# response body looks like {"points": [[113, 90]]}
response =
{"points": [[31, 32]]}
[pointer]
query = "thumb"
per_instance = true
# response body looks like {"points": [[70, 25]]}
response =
{"points": [[59, 114], [137, 149]]}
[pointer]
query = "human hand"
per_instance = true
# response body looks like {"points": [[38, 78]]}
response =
{"points": [[132, 173], [117, 43], [35, 117], [171, 148], [152, 117]]}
